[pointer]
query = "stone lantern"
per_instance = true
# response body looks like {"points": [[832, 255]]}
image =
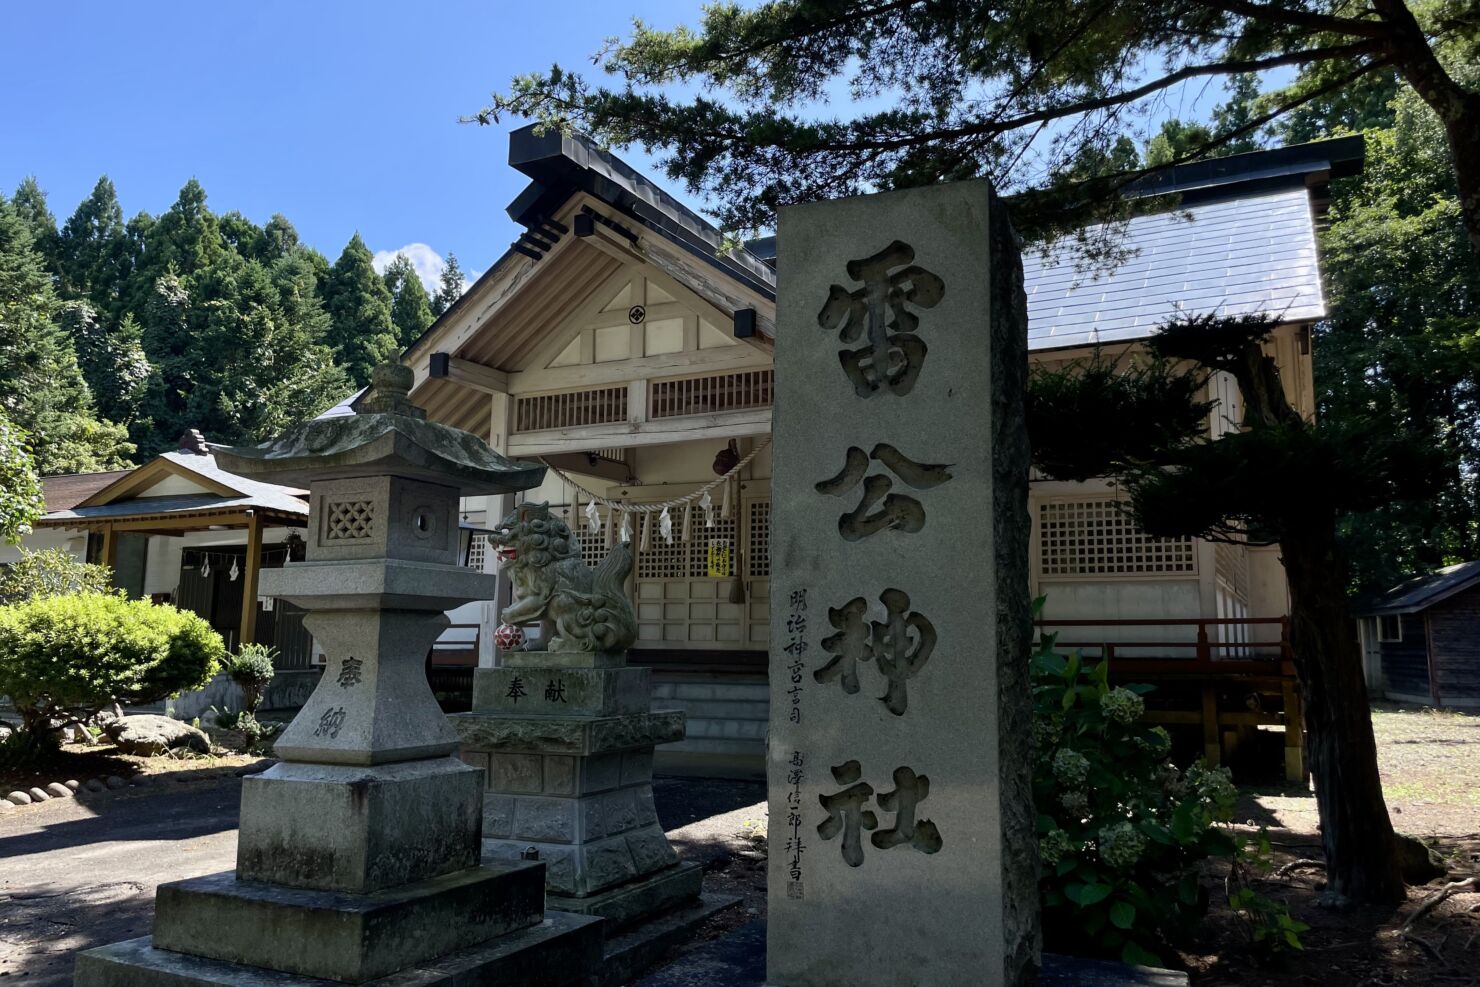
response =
{"points": [[359, 854]]}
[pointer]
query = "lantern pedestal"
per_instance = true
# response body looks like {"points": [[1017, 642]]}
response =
{"points": [[360, 854]]}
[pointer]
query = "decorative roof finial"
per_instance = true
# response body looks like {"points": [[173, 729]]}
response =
{"points": [[390, 393]]}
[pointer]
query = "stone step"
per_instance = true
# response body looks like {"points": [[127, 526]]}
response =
{"points": [[758, 692], [716, 709], [704, 745], [703, 727]]}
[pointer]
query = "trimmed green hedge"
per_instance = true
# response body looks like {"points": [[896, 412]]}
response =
{"points": [[64, 658]]}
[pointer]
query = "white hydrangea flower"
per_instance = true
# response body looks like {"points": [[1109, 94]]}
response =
{"points": [[1121, 845], [1055, 847], [1121, 705], [1070, 767]]}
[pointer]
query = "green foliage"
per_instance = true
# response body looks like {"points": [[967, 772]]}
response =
{"points": [[245, 722], [411, 309], [21, 501], [64, 658], [30, 204], [1093, 417], [1122, 832], [94, 255], [252, 669], [41, 387], [359, 306], [51, 572], [742, 105], [186, 321], [450, 288], [1404, 337]]}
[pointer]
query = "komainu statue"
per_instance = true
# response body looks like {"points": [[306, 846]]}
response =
{"points": [[578, 608]]}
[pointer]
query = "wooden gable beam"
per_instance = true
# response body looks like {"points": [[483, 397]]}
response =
{"points": [[445, 366], [612, 243]]}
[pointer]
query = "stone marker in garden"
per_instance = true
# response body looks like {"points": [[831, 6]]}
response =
{"points": [[902, 848], [359, 854]]}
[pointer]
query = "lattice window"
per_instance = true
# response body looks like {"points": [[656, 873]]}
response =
{"points": [[570, 409], [660, 560], [1098, 538], [350, 520], [758, 540], [478, 552], [706, 395], [593, 544]]}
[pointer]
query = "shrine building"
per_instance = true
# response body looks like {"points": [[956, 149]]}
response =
{"points": [[619, 342]]}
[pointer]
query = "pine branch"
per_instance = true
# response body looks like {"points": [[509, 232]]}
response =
{"points": [[1271, 13], [1104, 102]]}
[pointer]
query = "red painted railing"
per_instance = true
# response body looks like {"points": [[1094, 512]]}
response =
{"points": [[1213, 644]]}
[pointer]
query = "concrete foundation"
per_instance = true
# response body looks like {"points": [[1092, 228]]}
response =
{"points": [[350, 938], [559, 952], [638, 899]]}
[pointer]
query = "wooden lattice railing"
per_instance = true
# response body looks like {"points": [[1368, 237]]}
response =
{"points": [[716, 392], [570, 409]]}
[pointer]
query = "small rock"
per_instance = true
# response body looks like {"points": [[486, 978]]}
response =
{"points": [[115, 782], [6, 805], [18, 798], [95, 785], [73, 784], [150, 735], [37, 795], [1419, 862], [58, 791]]}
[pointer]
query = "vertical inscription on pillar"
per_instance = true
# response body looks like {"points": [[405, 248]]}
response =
{"points": [[796, 650], [897, 787]]}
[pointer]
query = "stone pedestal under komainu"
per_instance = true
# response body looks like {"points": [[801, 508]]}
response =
{"points": [[566, 737]]}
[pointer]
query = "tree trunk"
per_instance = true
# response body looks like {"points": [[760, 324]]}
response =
{"points": [[1356, 833], [1457, 107], [1464, 149]]}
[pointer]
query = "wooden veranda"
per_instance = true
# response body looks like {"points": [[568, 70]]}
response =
{"points": [[1224, 676]]}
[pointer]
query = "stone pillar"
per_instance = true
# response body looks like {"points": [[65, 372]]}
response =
{"points": [[901, 816], [566, 740], [360, 854]]}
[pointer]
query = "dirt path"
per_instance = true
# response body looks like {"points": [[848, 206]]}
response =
{"points": [[81, 873]]}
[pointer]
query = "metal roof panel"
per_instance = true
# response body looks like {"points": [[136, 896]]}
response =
{"points": [[1241, 254]]}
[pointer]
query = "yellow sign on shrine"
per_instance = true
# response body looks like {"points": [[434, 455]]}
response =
{"points": [[719, 558]]}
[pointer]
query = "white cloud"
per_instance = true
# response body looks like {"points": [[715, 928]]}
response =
{"points": [[428, 263]]}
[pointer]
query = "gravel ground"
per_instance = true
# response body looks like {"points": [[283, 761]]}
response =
{"points": [[1430, 764]]}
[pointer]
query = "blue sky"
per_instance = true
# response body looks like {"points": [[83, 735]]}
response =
{"points": [[341, 116]]}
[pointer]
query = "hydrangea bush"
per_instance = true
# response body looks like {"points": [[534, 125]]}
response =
{"points": [[1121, 830]]}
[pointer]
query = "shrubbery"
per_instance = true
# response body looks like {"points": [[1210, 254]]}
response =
{"points": [[64, 658], [251, 668], [50, 572], [1122, 830]]}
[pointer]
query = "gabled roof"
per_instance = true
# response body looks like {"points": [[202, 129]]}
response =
{"points": [[128, 495], [70, 489], [1242, 241], [1422, 592], [1245, 253]]}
